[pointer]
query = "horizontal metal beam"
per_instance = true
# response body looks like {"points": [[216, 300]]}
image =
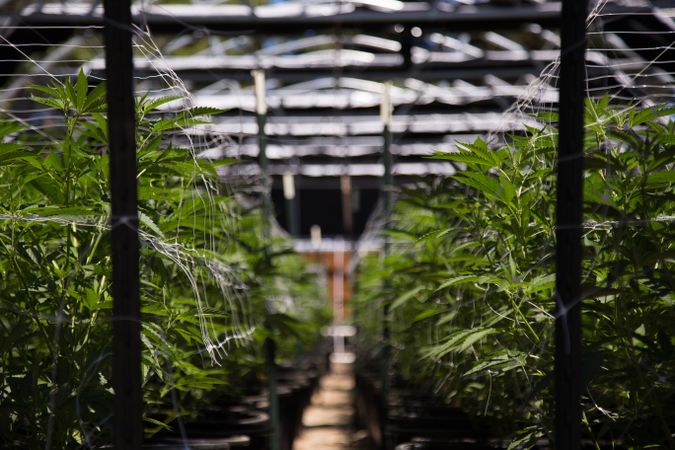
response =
{"points": [[332, 245], [426, 66], [346, 148], [347, 99], [425, 72], [295, 68], [295, 18], [346, 125], [332, 59], [338, 169]]}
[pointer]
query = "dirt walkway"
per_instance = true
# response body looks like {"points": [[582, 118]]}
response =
{"points": [[327, 423]]}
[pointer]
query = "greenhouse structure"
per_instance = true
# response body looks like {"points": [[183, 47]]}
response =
{"points": [[337, 224]]}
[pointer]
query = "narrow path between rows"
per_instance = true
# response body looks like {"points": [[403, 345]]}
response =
{"points": [[327, 424]]}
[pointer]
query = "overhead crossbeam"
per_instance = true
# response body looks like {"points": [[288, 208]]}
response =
{"points": [[346, 99], [300, 126], [338, 169], [331, 59], [293, 17]]}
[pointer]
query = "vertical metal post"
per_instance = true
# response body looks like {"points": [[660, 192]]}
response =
{"points": [[289, 196], [270, 344], [126, 372], [387, 186], [347, 210], [315, 235], [569, 217], [261, 115], [388, 183], [348, 225]]}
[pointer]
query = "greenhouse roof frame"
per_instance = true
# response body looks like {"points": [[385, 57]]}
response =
{"points": [[285, 18], [490, 68]]}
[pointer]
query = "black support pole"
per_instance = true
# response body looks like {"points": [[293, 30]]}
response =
{"points": [[568, 226], [270, 344], [126, 376]]}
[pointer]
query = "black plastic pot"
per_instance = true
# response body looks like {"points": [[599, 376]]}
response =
{"points": [[304, 380], [295, 389], [445, 445], [258, 402], [178, 443], [411, 417], [367, 407], [234, 421], [223, 443], [291, 407], [586, 444], [494, 444]]}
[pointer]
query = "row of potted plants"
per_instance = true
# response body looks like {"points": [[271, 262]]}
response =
{"points": [[212, 287], [469, 285]]}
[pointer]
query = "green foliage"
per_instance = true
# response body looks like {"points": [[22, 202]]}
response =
{"points": [[470, 282], [203, 285]]}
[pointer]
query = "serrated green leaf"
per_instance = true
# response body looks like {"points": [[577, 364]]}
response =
{"points": [[402, 299], [148, 222]]}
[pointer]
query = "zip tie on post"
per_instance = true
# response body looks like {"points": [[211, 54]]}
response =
{"points": [[128, 220], [561, 314]]}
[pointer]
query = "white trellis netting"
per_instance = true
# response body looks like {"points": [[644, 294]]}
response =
{"points": [[61, 61]]}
